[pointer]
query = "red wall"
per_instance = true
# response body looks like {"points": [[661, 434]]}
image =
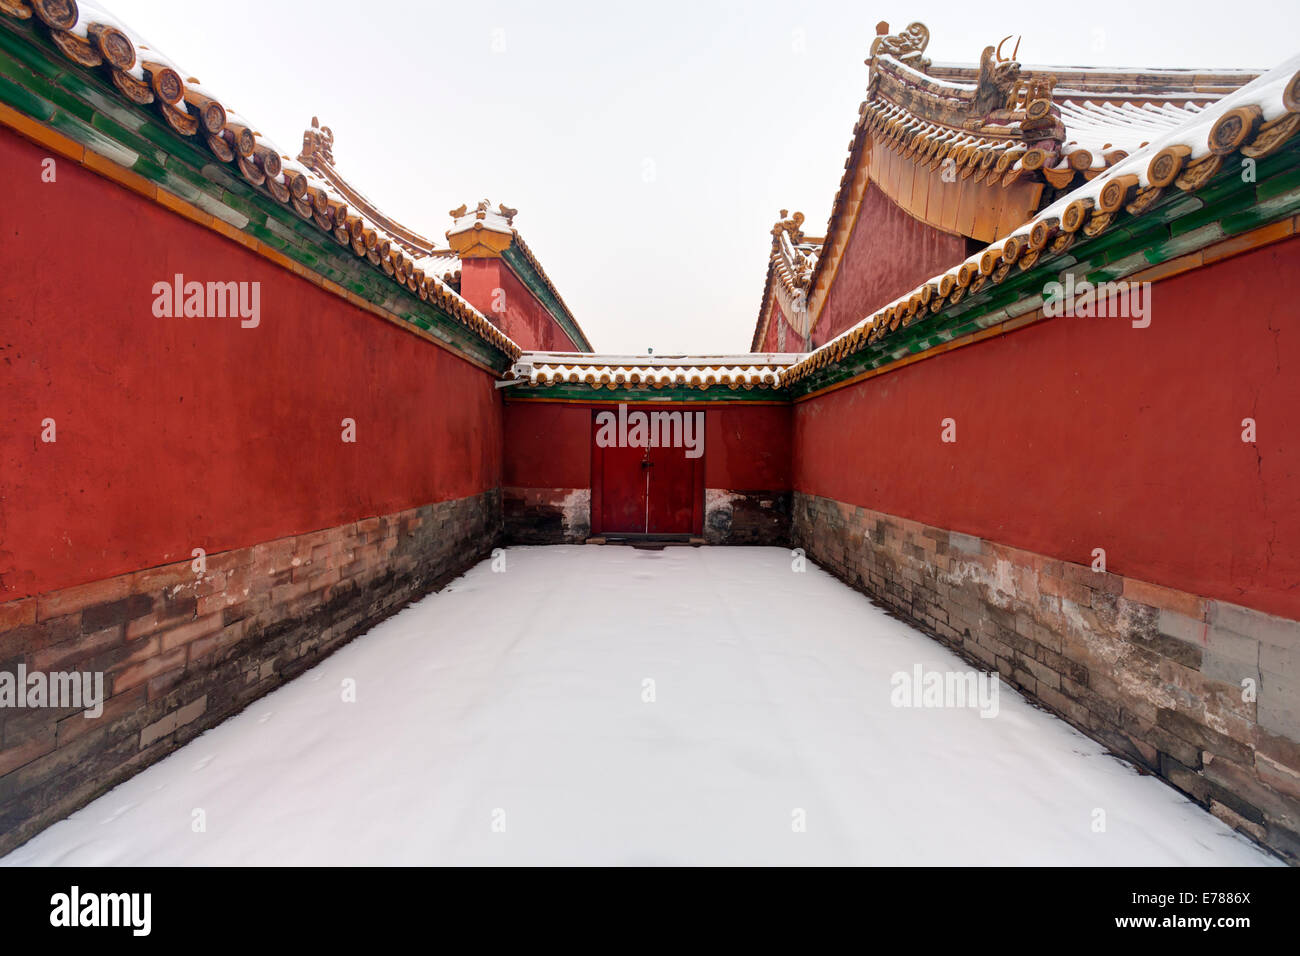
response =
{"points": [[547, 445], [178, 433], [771, 339], [746, 447], [1078, 433], [525, 319], [889, 253]]}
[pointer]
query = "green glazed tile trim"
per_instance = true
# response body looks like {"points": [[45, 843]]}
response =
{"points": [[1284, 182], [118, 133], [521, 267], [1181, 223], [39, 82], [23, 100], [717, 394]]}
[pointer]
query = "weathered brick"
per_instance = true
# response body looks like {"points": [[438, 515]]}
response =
{"points": [[21, 642], [72, 652], [99, 616], [1229, 656], [284, 593], [323, 579], [1045, 637], [1188, 655], [1230, 816], [191, 630], [217, 641], [249, 608], [134, 674], [177, 718], [1067, 590], [1203, 737], [167, 577], [17, 613], [73, 599], [1189, 629], [1262, 627], [1157, 596], [1084, 576], [76, 725], [1045, 676], [41, 741], [1278, 660], [229, 561], [1184, 778], [165, 612], [213, 582], [215, 603], [1278, 706], [162, 684]]}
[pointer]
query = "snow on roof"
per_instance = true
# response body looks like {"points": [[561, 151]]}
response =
{"points": [[1201, 132], [748, 370], [442, 263], [1260, 116], [791, 264], [998, 125], [1103, 128], [1179, 80], [464, 219], [1096, 130], [95, 38]]}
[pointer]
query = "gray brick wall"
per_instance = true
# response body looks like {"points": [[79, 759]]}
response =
{"points": [[181, 652], [1203, 693]]}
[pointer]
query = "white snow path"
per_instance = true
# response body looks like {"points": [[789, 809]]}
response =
{"points": [[516, 697]]}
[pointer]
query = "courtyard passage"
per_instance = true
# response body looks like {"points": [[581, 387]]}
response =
{"points": [[612, 705]]}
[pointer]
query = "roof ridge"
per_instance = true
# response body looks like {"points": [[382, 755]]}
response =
{"points": [[317, 154], [1008, 128], [1256, 121], [791, 261], [97, 39]]}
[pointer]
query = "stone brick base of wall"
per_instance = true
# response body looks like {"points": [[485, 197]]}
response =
{"points": [[180, 652], [1203, 693], [563, 516], [547, 515], [746, 517]]}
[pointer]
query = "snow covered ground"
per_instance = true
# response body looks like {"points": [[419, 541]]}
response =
{"points": [[508, 719]]}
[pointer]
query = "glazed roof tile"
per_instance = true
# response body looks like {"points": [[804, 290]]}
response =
{"points": [[96, 39], [748, 370], [1255, 121]]}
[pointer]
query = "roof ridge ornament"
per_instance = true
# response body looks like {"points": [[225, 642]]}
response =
{"points": [[317, 142], [791, 226], [482, 232], [996, 87], [906, 47], [318, 156], [1004, 108]]}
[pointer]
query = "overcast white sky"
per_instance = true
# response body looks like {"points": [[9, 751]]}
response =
{"points": [[647, 147]]}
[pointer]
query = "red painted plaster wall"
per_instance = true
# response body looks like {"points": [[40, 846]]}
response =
{"points": [[1075, 433], [547, 445], [748, 447], [772, 338], [888, 253], [523, 318], [177, 433]]}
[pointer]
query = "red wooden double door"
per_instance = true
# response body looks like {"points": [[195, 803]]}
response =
{"points": [[650, 491]]}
